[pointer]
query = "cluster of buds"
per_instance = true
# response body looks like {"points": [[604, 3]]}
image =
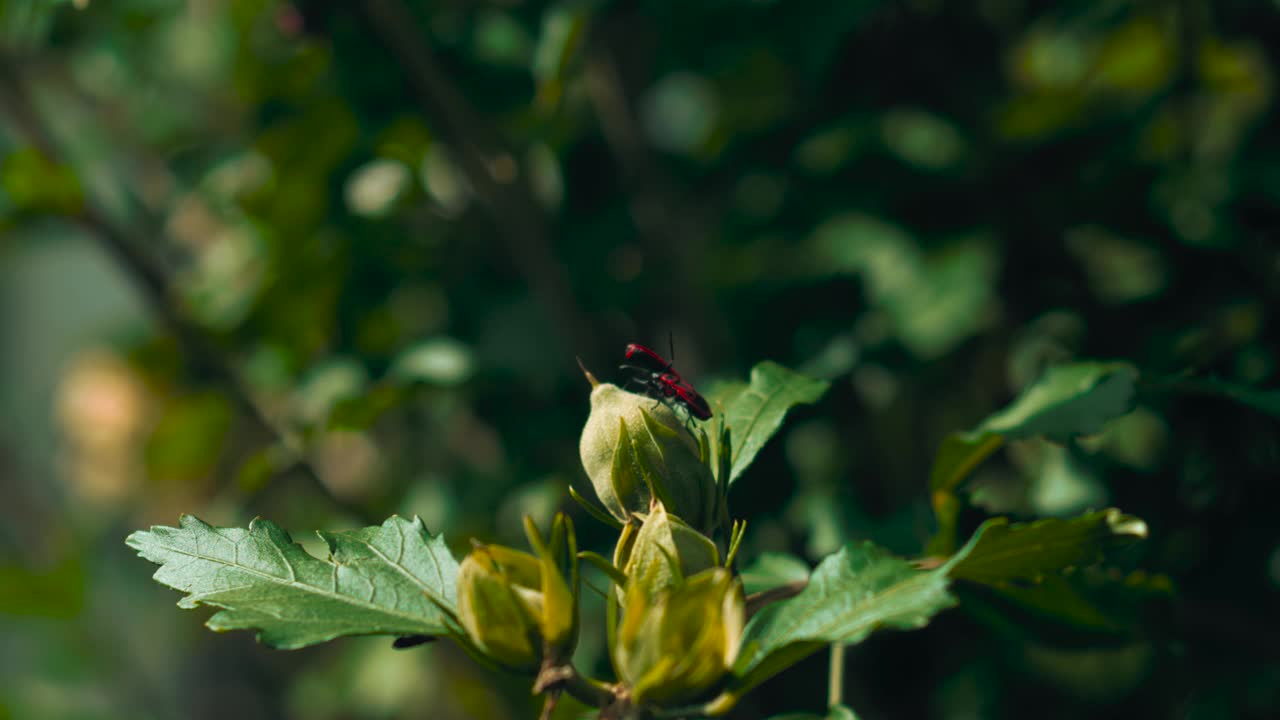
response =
{"points": [[682, 611], [679, 609]]}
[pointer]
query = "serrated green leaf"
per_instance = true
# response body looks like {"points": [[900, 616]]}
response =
{"points": [[771, 570], [377, 580], [754, 411], [1002, 552], [1068, 400], [850, 594]]}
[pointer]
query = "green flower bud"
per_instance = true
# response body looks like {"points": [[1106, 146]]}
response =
{"points": [[499, 604], [636, 450], [663, 552], [518, 608], [677, 644]]}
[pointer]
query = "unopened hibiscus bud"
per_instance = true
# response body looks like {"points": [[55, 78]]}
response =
{"points": [[676, 645], [663, 552], [636, 450], [519, 608]]}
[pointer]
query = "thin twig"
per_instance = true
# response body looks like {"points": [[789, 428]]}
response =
{"points": [[153, 280]]}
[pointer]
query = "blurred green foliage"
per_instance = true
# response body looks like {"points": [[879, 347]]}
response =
{"points": [[322, 262]]}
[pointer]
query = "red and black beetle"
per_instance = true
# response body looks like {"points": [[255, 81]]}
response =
{"points": [[659, 380]]}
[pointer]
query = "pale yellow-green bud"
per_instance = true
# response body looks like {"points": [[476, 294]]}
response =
{"points": [[517, 607], [635, 449], [663, 552], [676, 645], [499, 604]]}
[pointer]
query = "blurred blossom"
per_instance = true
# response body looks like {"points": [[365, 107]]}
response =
{"points": [[373, 189], [679, 112], [103, 410]]}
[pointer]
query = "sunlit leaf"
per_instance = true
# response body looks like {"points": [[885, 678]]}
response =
{"points": [[385, 579], [771, 570], [852, 593], [1026, 551], [1068, 400], [754, 411]]}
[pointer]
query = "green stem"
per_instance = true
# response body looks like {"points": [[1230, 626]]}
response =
{"points": [[565, 678], [835, 681], [590, 692]]}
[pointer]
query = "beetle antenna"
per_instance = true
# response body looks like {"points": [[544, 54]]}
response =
{"points": [[671, 345]]}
